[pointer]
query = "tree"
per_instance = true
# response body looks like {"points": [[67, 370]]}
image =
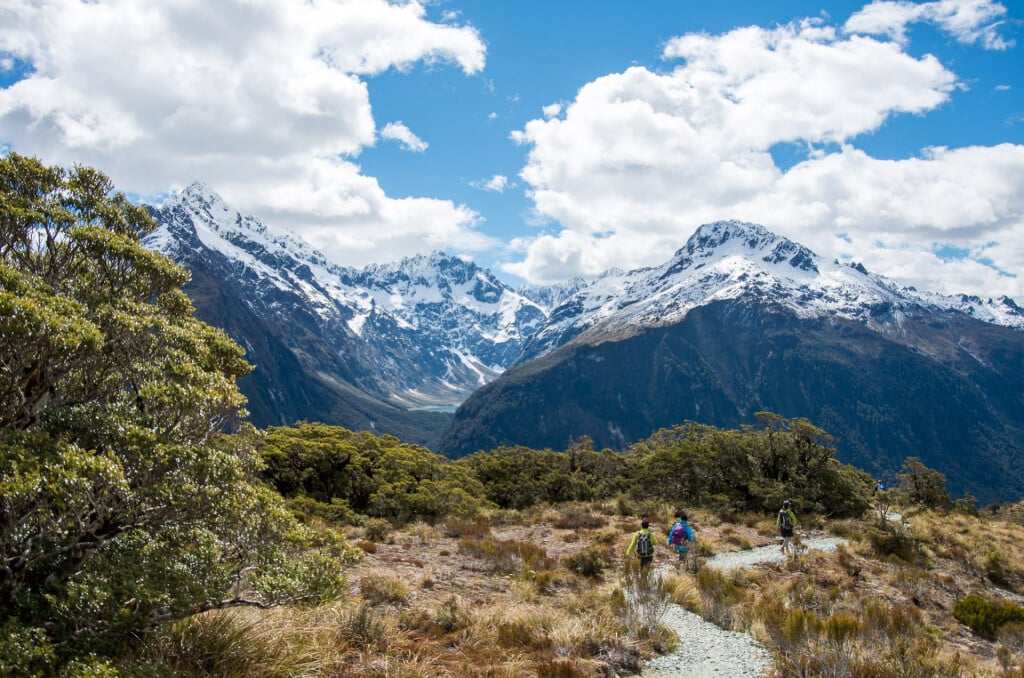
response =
{"points": [[329, 466], [124, 499], [923, 485]]}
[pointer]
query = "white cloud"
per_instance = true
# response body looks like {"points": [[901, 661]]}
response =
{"points": [[264, 100], [397, 131], [552, 110], [969, 21], [498, 184], [640, 159]]}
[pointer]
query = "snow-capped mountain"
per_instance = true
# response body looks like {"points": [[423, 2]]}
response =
{"points": [[422, 332], [551, 296], [729, 259], [737, 321], [741, 320], [471, 324]]}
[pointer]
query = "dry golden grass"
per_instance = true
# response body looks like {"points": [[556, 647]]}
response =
{"points": [[495, 596], [881, 606]]}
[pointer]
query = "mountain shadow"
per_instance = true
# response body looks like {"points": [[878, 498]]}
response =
{"points": [[948, 389]]}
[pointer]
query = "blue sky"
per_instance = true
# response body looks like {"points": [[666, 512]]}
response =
{"points": [[550, 139]]}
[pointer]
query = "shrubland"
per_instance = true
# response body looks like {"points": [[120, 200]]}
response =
{"points": [[148, 531]]}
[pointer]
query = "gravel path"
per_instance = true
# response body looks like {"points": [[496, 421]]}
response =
{"points": [[706, 649], [768, 554]]}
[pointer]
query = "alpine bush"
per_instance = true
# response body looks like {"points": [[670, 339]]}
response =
{"points": [[125, 499], [986, 617]]}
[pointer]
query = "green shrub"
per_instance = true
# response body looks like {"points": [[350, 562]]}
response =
{"points": [[985, 617], [624, 506], [587, 563], [337, 511], [995, 570], [894, 540], [119, 479], [922, 485], [24, 651], [377, 529]]}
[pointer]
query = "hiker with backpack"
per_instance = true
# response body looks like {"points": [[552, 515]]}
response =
{"points": [[680, 536], [786, 522], [643, 544]]}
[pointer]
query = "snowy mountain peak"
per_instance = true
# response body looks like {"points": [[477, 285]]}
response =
{"points": [[729, 260], [200, 196], [426, 268], [722, 239], [430, 329]]}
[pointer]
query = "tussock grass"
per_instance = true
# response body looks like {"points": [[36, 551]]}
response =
{"points": [[882, 606], [423, 534], [507, 595], [506, 556], [642, 598], [377, 530], [383, 588], [231, 643], [579, 518], [463, 527]]}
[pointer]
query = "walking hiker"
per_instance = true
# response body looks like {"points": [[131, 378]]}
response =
{"points": [[786, 522], [643, 544], [680, 536]]}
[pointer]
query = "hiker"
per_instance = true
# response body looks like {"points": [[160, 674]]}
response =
{"points": [[680, 536], [643, 544], [786, 522]]}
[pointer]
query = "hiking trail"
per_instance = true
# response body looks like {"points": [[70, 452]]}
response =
{"points": [[708, 650]]}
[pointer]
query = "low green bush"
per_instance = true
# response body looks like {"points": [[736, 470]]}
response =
{"points": [[377, 529], [894, 540], [383, 588], [587, 563], [985, 617]]}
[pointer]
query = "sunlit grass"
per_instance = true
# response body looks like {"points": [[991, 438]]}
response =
{"points": [[529, 601]]}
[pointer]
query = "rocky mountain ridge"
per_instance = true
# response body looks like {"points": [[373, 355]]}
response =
{"points": [[728, 259], [425, 331], [742, 321]]}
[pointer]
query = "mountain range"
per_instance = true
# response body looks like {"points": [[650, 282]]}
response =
{"points": [[379, 348], [741, 320], [737, 321]]}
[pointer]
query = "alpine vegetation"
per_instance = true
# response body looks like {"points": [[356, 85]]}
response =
{"points": [[128, 488]]}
